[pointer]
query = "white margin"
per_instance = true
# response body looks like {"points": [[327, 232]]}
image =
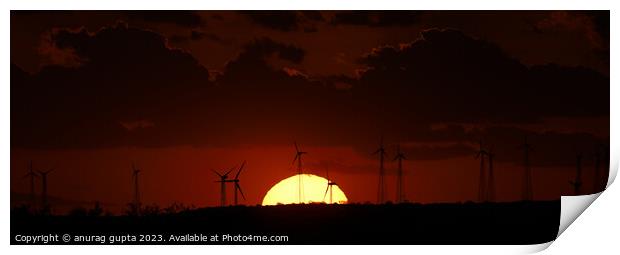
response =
{"points": [[570, 243]]}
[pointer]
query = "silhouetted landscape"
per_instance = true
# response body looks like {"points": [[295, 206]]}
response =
{"points": [[466, 223]]}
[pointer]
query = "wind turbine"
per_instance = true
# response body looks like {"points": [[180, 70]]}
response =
{"points": [[329, 188], [236, 181], [223, 180], [381, 191], [400, 156], [482, 192], [136, 191], [527, 177], [43, 175], [298, 156], [491, 180], [32, 174], [577, 182]]}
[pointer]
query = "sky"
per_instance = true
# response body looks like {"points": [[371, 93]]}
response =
{"points": [[180, 93]]}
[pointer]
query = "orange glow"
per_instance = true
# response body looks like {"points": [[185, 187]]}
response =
{"points": [[287, 191]]}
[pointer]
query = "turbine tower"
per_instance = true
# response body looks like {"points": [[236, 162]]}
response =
{"points": [[400, 196], [482, 183], [32, 174], [577, 182], [381, 190], [527, 175], [136, 190], [223, 180], [236, 182], [329, 188], [298, 155], [491, 180], [44, 187]]}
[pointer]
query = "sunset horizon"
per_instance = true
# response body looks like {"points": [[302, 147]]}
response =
{"points": [[166, 118]]}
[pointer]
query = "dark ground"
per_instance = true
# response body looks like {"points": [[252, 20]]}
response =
{"points": [[467, 223]]}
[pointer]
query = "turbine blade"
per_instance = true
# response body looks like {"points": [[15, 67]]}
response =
{"points": [[327, 189], [296, 147], [230, 170], [237, 186], [240, 168], [218, 174], [295, 159]]}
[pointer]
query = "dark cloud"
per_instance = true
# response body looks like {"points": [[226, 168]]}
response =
{"points": [[600, 20], [128, 74], [133, 90], [594, 25], [479, 83], [253, 60], [180, 18], [286, 21], [264, 47], [447, 76], [375, 18], [196, 35]]}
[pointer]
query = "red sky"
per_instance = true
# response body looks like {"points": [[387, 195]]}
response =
{"points": [[180, 93], [182, 174]]}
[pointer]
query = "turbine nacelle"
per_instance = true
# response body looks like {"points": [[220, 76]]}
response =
{"points": [[224, 179], [330, 183], [298, 153]]}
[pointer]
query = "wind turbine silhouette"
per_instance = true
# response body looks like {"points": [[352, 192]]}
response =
{"points": [[381, 190], [577, 182], [32, 174], [491, 180], [236, 182], [298, 156], [136, 190], [482, 192], [400, 156], [330, 187], [43, 175], [527, 176], [223, 180]]}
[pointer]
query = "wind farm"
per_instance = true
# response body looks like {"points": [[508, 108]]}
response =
{"points": [[326, 200], [329, 127]]}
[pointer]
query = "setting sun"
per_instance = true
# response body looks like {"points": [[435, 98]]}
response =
{"points": [[287, 191]]}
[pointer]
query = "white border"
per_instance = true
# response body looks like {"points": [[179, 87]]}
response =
{"points": [[602, 219]]}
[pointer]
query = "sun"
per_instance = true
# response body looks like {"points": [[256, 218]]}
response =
{"points": [[287, 191]]}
